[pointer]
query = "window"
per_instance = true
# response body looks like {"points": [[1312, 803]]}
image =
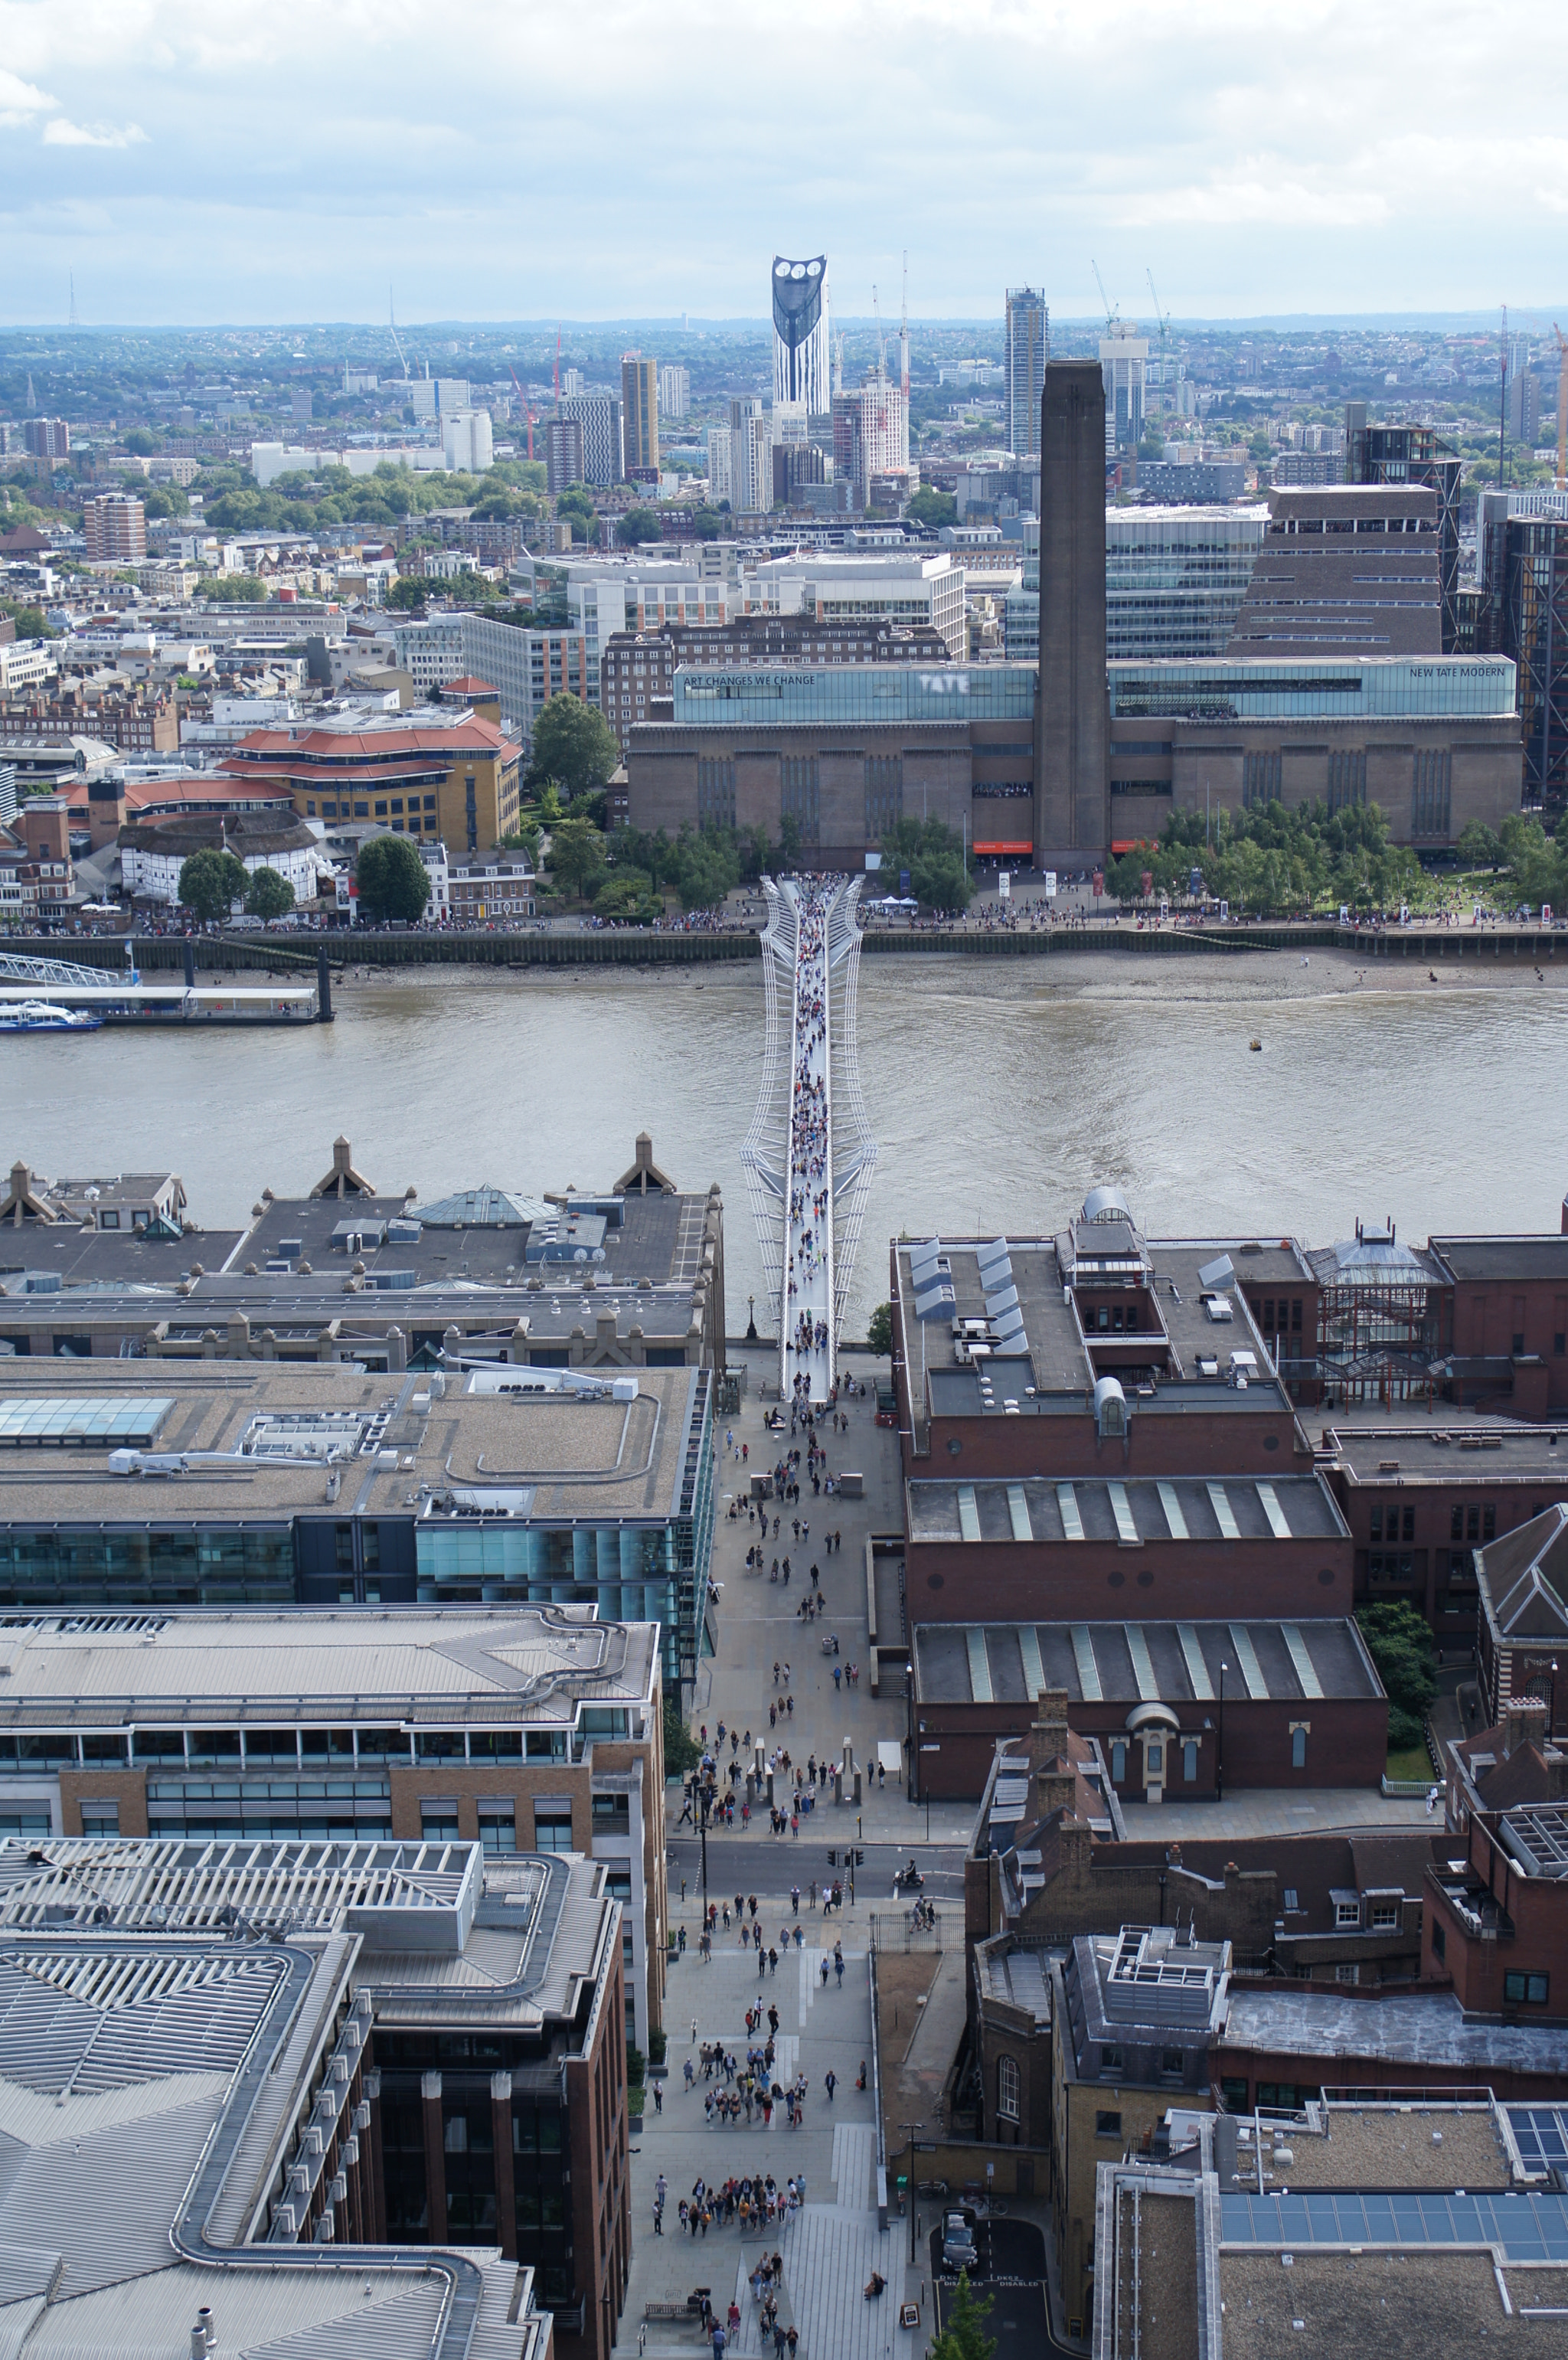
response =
{"points": [[1107, 2124], [1348, 1913], [1234, 2096], [1408, 1529], [1154, 1760], [437, 1821], [1456, 1524], [1385, 1917], [498, 1827], [1172, 2062], [1007, 2088], [1118, 1760], [1376, 1532], [1489, 1524], [552, 1830], [1521, 1989], [1298, 1749], [1347, 1971], [1189, 1759], [100, 1816], [1473, 1523], [1111, 2062]]}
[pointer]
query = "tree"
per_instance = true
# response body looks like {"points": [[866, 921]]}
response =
{"points": [[933, 855], [29, 619], [639, 524], [573, 506], [1399, 1641], [1478, 846], [576, 856], [626, 899], [928, 507], [210, 883], [573, 745], [393, 881], [235, 589], [140, 440], [681, 1751], [408, 595], [879, 1331], [270, 895], [965, 2336]]}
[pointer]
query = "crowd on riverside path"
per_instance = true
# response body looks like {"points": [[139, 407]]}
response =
{"points": [[810, 1208]]}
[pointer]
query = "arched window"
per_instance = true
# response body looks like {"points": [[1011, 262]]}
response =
{"points": [[1007, 2088]]}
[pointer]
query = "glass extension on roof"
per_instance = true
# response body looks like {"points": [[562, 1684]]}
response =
{"points": [[1529, 2224], [1363, 688], [851, 693], [129, 1418]]}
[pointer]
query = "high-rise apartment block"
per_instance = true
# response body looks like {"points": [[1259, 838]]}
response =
{"points": [[599, 415], [674, 391], [116, 526], [48, 438], [432, 397], [871, 432], [639, 412], [719, 472], [1028, 349], [562, 454], [1123, 362], [1524, 407], [1071, 756], [801, 364], [466, 441]]}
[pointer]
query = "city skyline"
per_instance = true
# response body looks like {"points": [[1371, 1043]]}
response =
{"points": [[137, 165]]}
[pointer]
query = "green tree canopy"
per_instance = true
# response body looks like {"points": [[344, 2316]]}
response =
{"points": [[965, 2336], [933, 855], [210, 883], [393, 881], [681, 1751], [879, 1331], [1274, 858], [576, 856], [626, 898], [270, 895], [1398, 1640], [639, 524], [574, 507], [235, 589], [29, 619], [933, 508], [142, 442], [407, 596], [573, 745]]}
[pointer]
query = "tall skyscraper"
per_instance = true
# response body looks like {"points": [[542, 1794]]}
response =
{"points": [[1072, 755], [115, 528], [640, 412], [1028, 349], [1123, 362], [801, 364], [719, 474], [751, 454], [599, 415], [674, 391], [562, 454]]}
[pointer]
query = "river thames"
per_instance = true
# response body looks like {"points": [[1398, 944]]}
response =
{"points": [[999, 1093]]}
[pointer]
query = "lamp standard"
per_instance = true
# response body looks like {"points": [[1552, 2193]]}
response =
{"points": [[929, 1749], [911, 2128], [1219, 1759], [1552, 1703]]}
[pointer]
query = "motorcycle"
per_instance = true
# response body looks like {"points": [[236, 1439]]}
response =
{"points": [[908, 1880]]}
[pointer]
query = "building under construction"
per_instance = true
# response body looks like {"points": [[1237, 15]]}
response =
{"points": [[1413, 454]]}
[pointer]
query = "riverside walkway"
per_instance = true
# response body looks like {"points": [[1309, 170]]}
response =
{"points": [[809, 1154]]}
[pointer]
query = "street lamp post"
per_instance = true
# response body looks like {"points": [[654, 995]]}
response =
{"points": [[1219, 1758], [1552, 1705], [929, 1749], [911, 2128]]}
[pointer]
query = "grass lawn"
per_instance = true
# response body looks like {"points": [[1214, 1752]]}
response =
{"points": [[1415, 1762]]}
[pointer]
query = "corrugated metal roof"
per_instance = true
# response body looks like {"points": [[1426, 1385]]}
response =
{"points": [[253, 2312]]}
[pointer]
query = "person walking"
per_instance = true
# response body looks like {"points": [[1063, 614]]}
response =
{"points": [[830, 2083]]}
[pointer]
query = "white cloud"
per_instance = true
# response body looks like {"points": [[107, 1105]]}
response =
{"points": [[21, 101], [59, 132]]}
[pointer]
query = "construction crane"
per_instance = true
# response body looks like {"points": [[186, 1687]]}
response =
{"points": [[1164, 320], [557, 370], [392, 318], [1561, 406], [881, 339], [1110, 309]]}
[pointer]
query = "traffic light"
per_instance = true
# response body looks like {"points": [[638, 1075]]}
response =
{"points": [[860, 1860], [832, 1860]]}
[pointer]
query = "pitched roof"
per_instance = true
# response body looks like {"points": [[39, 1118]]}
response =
{"points": [[1525, 1576]]}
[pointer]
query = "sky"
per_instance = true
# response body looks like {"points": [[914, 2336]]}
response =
{"points": [[269, 161]]}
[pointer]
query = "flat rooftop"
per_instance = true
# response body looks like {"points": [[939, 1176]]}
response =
{"points": [[262, 1441], [1490, 1449], [1541, 1254], [1433, 2030], [1140, 1663], [367, 1666]]}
